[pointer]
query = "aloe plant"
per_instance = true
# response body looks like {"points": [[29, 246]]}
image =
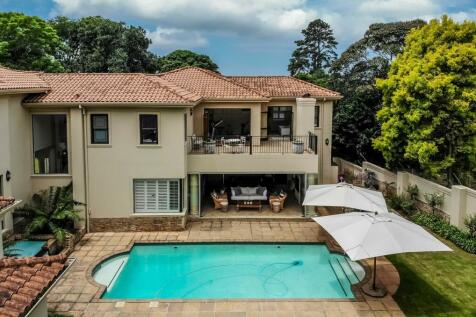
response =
{"points": [[51, 211]]}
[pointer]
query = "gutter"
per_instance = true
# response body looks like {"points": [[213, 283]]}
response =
{"points": [[85, 163], [111, 103], [43, 297]]}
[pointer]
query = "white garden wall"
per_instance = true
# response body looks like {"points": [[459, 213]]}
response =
{"points": [[459, 201]]}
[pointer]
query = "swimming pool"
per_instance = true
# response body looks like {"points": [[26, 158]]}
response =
{"points": [[219, 271], [25, 248]]}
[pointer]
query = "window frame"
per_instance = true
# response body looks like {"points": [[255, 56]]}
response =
{"points": [[92, 129], [158, 211], [317, 115], [139, 126], [32, 143]]}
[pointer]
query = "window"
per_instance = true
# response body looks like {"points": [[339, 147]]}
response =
{"points": [[99, 129], [157, 195], [316, 116], [50, 147], [148, 129]]}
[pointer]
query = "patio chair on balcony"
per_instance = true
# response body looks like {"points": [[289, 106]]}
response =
{"points": [[197, 142]]}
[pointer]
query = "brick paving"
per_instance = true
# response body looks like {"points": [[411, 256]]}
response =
{"points": [[76, 294]]}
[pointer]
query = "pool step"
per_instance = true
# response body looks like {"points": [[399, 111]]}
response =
{"points": [[348, 270], [341, 276]]}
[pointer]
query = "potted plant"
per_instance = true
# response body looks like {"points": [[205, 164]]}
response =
{"points": [[298, 146], [210, 146]]}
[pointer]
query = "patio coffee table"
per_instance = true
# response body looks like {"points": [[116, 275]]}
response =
{"points": [[249, 204]]}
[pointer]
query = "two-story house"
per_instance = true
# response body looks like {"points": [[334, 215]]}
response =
{"points": [[144, 151]]}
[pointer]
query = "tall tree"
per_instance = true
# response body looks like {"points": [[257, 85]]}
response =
{"points": [[181, 58], [28, 43], [96, 44], [429, 101], [314, 54], [353, 75]]}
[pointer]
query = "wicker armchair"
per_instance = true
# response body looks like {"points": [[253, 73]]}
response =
{"points": [[279, 198], [218, 199]]}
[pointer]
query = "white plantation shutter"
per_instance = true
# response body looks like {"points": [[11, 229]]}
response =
{"points": [[156, 195]]}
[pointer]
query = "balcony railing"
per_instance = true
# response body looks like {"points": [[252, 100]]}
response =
{"points": [[253, 145]]}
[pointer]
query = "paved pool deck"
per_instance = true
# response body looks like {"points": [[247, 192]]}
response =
{"points": [[76, 294]]}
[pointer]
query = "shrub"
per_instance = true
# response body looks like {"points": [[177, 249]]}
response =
{"points": [[470, 223], [413, 191], [434, 200], [442, 228]]}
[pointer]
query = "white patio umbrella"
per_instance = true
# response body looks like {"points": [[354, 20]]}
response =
{"points": [[345, 195], [364, 235]]}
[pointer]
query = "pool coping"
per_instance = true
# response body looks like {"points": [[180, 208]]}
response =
{"points": [[355, 288]]}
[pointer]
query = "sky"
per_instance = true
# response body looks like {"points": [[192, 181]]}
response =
{"points": [[245, 37]]}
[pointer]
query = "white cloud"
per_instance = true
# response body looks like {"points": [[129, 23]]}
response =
{"points": [[176, 38], [188, 23]]}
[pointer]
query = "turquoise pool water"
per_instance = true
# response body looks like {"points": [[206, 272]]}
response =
{"points": [[217, 271], [24, 248]]}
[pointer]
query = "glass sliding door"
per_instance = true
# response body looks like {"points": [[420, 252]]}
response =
{"points": [[280, 121], [226, 122]]}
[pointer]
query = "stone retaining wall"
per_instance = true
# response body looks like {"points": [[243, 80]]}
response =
{"points": [[159, 223]]}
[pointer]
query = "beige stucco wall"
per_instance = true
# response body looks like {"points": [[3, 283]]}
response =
{"points": [[15, 148], [112, 168], [324, 132], [256, 163]]}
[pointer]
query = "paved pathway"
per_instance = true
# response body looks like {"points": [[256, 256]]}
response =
{"points": [[76, 294]]}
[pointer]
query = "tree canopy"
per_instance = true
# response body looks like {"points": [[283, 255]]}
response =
{"points": [[182, 58], [96, 44], [353, 74], [428, 116], [314, 53], [28, 42]]}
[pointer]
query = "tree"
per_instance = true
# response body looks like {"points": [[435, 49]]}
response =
{"points": [[51, 211], [182, 58], [28, 43], [428, 116], [96, 44], [314, 54], [353, 74]]}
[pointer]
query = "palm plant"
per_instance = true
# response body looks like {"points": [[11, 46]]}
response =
{"points": [[51, 211]]}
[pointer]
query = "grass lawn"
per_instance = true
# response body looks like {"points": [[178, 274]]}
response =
{"points": [[437, 284]]}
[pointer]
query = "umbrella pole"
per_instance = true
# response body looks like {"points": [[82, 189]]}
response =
{"points": [[375, 273]]}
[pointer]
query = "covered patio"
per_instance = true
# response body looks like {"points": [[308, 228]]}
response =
{"points": [[288, 189]]}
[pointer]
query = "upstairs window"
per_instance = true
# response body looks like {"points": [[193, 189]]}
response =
{"points": [[50, 146], [316, 116], [99, 129], [149, 132]]}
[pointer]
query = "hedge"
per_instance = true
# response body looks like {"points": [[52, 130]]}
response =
{"points": [[442, 228]]}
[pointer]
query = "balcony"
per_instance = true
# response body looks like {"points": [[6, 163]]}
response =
{"points": [[252, 145]]}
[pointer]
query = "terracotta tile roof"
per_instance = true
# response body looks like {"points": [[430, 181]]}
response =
{"points": [[210, 85], [284, 86], [20, 80], [24, 280], [109, 87]]}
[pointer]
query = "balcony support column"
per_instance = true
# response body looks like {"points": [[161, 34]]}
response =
{"points": [[311, 179], [194, 195]]}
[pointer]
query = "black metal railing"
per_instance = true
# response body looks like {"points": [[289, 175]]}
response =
{"points": [[253, 144]]}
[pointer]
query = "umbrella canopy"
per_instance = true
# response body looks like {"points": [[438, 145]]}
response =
{"points": [[347, 196], [365, 235]]}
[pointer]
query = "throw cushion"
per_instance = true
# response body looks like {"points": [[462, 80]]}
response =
{"points": [[260, 190], [238, 191]]}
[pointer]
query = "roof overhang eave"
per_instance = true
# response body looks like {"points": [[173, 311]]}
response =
{"points": [[320, 98], [235, 100], [102, 104], [23, 91]]}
